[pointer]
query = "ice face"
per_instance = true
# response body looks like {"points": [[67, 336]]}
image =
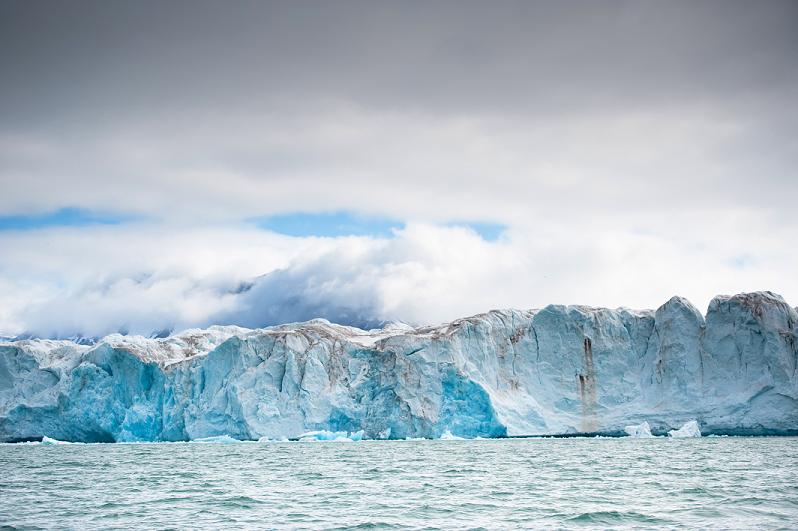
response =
{"points": [[559, 370]]}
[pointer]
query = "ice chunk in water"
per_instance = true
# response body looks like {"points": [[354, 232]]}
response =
{"points": [[640, 431], [338, 436], [219, 439], [48, 441], [690, 429]]}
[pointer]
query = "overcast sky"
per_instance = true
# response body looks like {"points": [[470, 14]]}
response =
{"points": [[175, 164]]}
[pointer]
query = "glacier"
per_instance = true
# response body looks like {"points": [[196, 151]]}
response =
{"points": [[560, 370]]}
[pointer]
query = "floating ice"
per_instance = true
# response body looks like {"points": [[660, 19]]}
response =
{"points": [[48, 441], [218, 439], [273, 439], [639, 431], [447, 436], [337, 436], [690, 429]]}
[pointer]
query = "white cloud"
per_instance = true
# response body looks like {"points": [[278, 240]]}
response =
{"points": [[101, 279]]}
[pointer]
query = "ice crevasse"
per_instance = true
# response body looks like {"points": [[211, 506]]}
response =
{"points": [[555, 371]]}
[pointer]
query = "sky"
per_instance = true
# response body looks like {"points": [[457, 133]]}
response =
{"points": [[166, 165]]}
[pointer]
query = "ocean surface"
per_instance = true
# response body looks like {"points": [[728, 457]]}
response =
{"points": [[733, 483]]}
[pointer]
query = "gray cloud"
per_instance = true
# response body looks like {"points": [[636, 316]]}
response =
{"points": [[131, 57], [99, 97]]}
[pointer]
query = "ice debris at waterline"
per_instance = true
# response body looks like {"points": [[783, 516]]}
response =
{"points": [[336, 436], [643, 430], [690, 429], [48, 441], [448, 436], [216, 439], [640, 431], [273, 439], [558, 370]]}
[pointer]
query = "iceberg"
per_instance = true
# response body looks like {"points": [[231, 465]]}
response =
{"points": [[639, 431], [447, 436], [266, 439], [48, 441], [559, 370], [216, 439], [690, 429]]}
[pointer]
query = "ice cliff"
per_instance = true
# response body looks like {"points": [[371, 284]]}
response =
{"points": [[558, 370]]}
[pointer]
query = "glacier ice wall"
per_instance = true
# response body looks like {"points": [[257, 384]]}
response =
{"points": [[558, 370]]}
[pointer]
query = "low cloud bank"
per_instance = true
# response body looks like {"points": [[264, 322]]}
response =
{"points": [[142, 279]]}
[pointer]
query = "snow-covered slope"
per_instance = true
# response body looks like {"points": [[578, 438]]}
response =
{"points": [[559, 370]]}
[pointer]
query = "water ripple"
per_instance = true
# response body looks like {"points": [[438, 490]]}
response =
{"points": [[550, 483]]}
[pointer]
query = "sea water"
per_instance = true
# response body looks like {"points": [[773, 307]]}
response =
{"points": [[736, 483]]}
